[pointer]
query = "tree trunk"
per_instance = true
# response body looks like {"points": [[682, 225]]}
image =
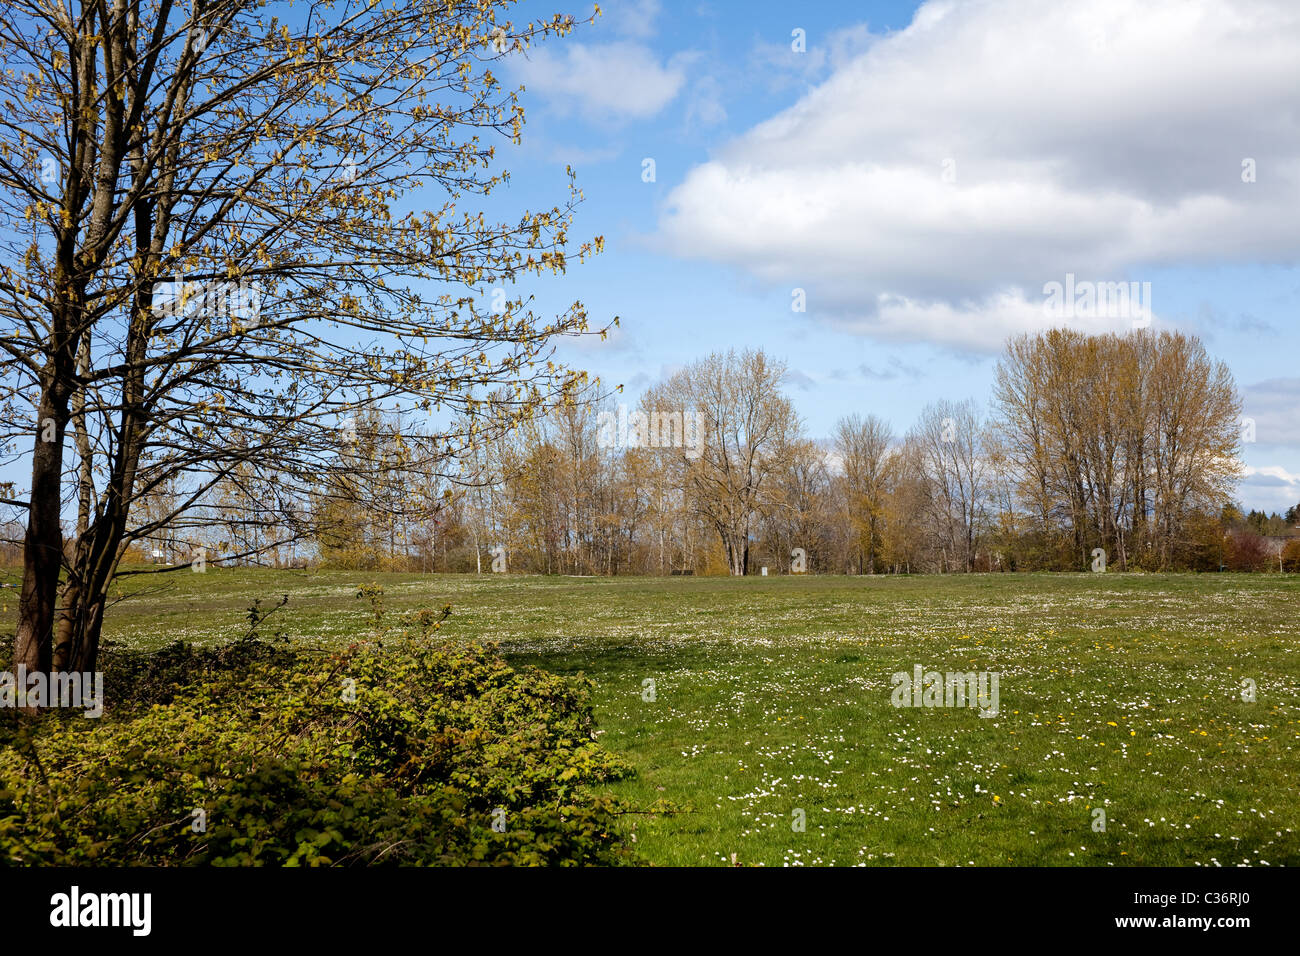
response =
{"points": [[81, 617], [43, 541]]}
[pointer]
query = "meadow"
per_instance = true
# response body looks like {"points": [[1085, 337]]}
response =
{"points": [[749, 705]]}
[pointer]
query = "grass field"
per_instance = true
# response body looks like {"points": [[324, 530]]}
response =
{"points": [[772, 695]]}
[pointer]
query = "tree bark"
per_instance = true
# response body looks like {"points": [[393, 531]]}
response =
{"points": [[43, 541]]}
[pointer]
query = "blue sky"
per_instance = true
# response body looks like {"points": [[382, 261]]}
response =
{"points": [[920, 171]]}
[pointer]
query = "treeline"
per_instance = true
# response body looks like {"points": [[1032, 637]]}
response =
{"points": [[1118, 449]]}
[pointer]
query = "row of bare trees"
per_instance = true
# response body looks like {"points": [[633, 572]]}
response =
{"points": [[1118, 442], [1123, 443]]}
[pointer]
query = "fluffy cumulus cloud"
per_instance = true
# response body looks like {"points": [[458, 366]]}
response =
{"points": [[931, 186], [602, 81]]}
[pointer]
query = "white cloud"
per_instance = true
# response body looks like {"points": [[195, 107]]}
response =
{"points": [[630, 17], [620, 80], [975, 326], [932, 184], [1270, 488]]}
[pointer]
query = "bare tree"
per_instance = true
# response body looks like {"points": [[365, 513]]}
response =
{"points": [[1116, 440], [746, 422], [954, 467], [863, 446]]}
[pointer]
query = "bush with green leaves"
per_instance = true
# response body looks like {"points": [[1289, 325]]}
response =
{"points": [[409, 750]]}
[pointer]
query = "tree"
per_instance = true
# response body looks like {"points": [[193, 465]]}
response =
{"points": [[1196, 424], [1115, 441], [1290, 560], [214, 250], [746, 422], [863, 446], [953, 468], [905, 507], [798, 517]]}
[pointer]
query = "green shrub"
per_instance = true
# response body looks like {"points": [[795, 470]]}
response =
{"points": [[405, 753]]}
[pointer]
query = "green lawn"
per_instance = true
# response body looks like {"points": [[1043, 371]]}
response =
{"points": [[772, 695]]}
